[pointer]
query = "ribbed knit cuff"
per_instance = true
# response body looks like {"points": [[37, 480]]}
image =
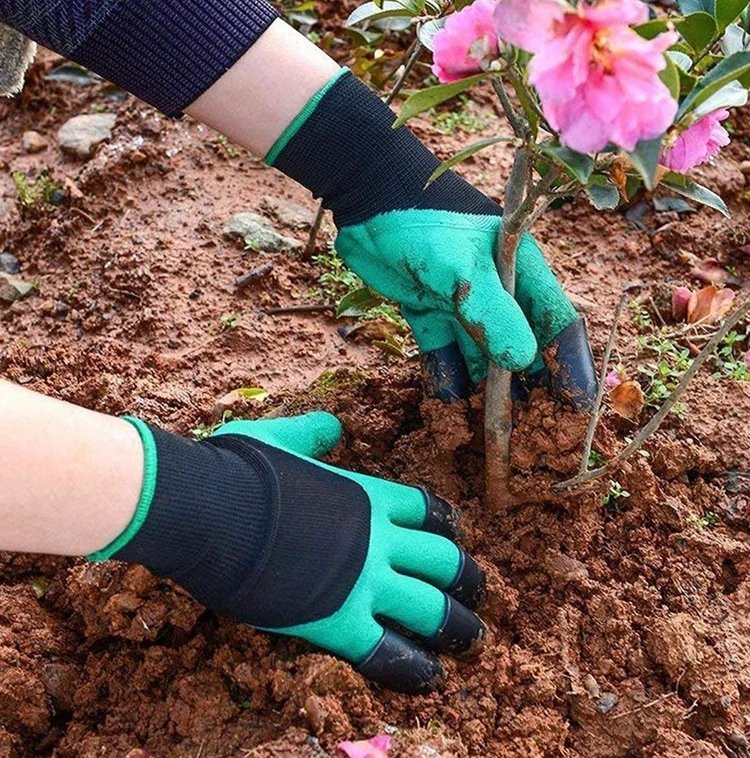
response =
{"points": [[166, 52]]}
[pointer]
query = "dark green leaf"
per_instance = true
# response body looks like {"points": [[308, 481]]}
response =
{"points": [[731, 68], [577, 165], [357, 303], [653, 28], [697, 29], [462, 155], [671, 77], [687, 188], [603, 196], [645, 158], [428, 98], [728, 11]]}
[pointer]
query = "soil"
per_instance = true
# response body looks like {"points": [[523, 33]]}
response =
{"points": [[621, 631]]}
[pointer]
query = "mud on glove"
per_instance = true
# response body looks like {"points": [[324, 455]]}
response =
{"points": [[254, 526], [430, 249]]}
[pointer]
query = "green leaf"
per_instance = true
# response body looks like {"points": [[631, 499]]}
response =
{"points": [[462, 155], [691, 6], [373, 12], [734, 95], [697, 29], [653, 28], [730, 69], [681, 60], [694, 191], [427, 31], [728, 11], [428, 98], [357, 303], [671, 77], [645, 158], [603, 196], [252, 393], [576, 164], [735, 40]]}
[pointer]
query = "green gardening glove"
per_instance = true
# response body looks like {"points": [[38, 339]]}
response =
{"points": [[431, 249], [252, 524]]}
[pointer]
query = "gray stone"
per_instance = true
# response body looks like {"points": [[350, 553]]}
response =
{"points": [[259, 235], [289, 214], [81, 134], [607, 702], [12, 288], [9, 264]]}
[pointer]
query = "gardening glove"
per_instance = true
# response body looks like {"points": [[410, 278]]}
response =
{"points": [[254, 526], [431, 249]]}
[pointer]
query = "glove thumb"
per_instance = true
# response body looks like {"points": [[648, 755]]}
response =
{"points": [[313, 434]]}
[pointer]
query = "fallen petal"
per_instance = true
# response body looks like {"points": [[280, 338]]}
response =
{"points": [[680, 300], [612, 379], [709, 305], [376, 747], [628, 400], [711, 271]]}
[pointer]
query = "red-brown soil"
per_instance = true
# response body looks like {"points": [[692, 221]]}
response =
{"points": [[612, 633]]}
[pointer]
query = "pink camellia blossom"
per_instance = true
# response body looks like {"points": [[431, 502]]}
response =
{"points": [[597, 79], [376, 747], [698, 143], [467, 40], [612, 379]]}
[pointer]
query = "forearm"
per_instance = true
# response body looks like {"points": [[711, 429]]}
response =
{"points": [[70, 478]]}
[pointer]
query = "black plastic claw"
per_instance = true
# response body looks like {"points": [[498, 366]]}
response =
{"points": [[401, 665], [470, 587], [462, 633], [572, 374], [442, 518], [445, 374]]}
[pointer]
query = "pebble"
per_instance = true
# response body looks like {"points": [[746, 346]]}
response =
{"points": [[33, 142], [13, 288], [745, 168], [289, 214], [607, 702], [9, 264], [81, 134], [259, 235]]}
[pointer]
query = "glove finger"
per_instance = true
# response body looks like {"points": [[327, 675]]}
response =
{"points": [[439, 561], [475, 359], [445, 624], [312, 434], [494, 320], [400, 664], [539, 294]]}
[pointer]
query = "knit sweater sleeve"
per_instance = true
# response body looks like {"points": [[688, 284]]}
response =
{"points": [[166, 52]]}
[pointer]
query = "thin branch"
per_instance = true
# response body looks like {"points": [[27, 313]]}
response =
{"points": [[411, 56], [597, 411], [285, 309], [662, 413], [517, 123], [518, 219]]}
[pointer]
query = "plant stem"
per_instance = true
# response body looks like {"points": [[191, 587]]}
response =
{"points": [[410, 59], [661, 414], [498, 418], [596, 412], [517, 123]]}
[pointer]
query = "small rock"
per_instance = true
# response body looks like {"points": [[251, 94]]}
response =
{"points": [[33, 142], [259, 235], [745, 168], [81, 134], [564, 568], [12, 288], [226, 403], [289, 214], [9, 264], [607, 702]]}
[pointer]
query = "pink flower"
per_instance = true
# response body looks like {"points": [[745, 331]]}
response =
{"points": [[467, 40], [597, 79], [376, 747], [612, 379], [699, 142]]}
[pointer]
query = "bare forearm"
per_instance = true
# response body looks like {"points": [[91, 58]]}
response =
{"points": [[70, 478]]}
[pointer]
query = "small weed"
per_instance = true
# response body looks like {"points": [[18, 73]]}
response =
{"points": [[43, 188], [730, 358], [641, 317], [204, 431], [613, 501], [661, 374], [230, 321], [708, 520], [337, 280], [225, 147], [596, 460], [449, 122]]}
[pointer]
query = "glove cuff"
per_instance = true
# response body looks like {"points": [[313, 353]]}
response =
{"points": [[343, 148]]}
